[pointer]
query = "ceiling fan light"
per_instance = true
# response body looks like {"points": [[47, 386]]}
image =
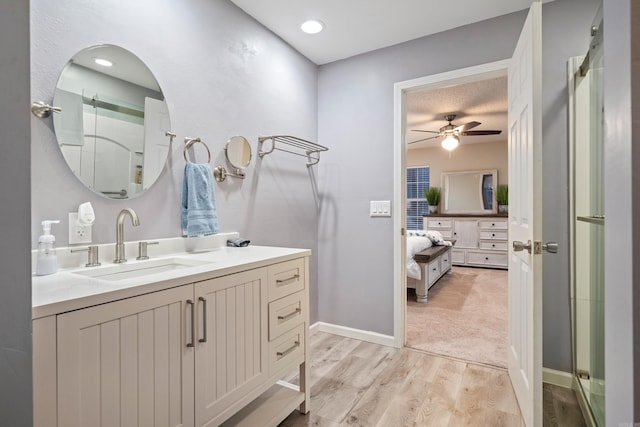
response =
{"points": [[450, 142]]}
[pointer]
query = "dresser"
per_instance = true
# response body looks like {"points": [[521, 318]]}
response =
{"points": [[480, 241]]}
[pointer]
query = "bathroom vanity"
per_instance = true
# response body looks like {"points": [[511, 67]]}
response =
{"points": [[186, 339]]}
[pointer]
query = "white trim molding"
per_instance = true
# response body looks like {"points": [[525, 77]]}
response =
{"points": [[358, 334], [559, 378]]}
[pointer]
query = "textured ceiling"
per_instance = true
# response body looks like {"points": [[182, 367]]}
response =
{"points": [[484, 102], [357, 26]]}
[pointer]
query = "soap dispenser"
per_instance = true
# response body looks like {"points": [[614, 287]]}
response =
{"points": [[47, 262]]}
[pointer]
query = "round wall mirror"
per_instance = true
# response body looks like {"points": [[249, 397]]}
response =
{"points": [[238, 152], [114, 127]]}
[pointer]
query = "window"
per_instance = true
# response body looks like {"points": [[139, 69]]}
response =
{"points": [[417, 182]]}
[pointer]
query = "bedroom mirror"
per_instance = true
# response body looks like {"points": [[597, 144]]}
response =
{"points": [[470, 192], [114, 127]]}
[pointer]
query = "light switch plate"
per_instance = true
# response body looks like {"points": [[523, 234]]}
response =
{"points": [[78, 233], [380, 208]]}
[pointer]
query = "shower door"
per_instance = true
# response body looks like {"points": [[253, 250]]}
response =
{"points": [[588, 226]]}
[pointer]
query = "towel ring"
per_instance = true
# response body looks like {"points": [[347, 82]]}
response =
{"points": [[188, 142]]}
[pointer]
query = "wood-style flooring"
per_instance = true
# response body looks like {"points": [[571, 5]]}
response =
{"points": [[355, 383]]}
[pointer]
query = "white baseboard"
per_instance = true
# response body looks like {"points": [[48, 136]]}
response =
{"points": [[358, 334], [559, 378]]}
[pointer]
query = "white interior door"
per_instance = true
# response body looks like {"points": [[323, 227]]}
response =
{"points": [[525, 221]]}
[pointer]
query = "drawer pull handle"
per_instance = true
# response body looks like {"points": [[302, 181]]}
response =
{"points": [[204, 319], [493, 234], [290, 315], [282, 354], [294, 277], [193, 324]]}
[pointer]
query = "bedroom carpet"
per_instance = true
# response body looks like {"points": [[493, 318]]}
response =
{"points": [[465, 316]]}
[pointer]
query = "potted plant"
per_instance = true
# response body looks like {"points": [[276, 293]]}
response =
{"points": [[432, 194], [502, 197]]}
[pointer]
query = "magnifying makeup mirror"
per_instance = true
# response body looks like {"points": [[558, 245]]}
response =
{"points": [[238, 154]]}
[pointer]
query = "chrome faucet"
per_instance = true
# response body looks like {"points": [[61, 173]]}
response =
{"points": [[120, 232]]}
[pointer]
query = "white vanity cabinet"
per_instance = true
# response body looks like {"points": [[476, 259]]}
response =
{"points": [[192, 355], [480, 241]]}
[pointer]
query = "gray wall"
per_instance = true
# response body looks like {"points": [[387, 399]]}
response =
{"points": [[622, 202], [15, 262], [223, 74], [355, 118]]}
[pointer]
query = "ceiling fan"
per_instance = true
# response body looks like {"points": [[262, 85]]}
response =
{"points": [[452, 133]]}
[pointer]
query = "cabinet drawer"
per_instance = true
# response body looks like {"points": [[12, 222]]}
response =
{"points": [[493, 235], [494, 246], [286, 278], [493, 225], [439, 223], [286, 313], [457, 256], [286, 350], [434, 271], [445, 261], [487, 258]]}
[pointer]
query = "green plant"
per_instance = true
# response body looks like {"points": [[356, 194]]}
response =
{"points": [[502, 194], [433, 194]]}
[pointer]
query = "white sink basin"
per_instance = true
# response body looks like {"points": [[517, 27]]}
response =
{"points": [[139, 269]]}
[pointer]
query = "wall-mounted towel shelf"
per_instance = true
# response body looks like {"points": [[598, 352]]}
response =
{"points": [[309, 149]]}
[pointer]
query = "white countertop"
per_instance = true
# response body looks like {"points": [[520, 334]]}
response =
{"points": [[66, 291]]}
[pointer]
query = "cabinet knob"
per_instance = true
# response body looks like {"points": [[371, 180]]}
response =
{"points": [[493, 234], [493, 224], [486, 258]]}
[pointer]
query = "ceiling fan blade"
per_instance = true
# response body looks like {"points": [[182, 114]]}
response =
{"points": [[467, 126], [419, 130], [424, 139], [481, 132]]}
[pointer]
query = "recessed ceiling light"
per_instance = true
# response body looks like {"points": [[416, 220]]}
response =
{"points": [[103, 62], [312, 26]]}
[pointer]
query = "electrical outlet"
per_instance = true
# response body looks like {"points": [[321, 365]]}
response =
{"points": [[78, 233]]}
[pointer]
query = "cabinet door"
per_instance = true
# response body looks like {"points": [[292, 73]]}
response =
{"points": [[466, 233], [126, 363], [231, 352]]}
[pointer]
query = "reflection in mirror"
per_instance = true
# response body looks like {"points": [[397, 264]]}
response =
{"points": [[112, 130], [470, 192], [238, 152]]}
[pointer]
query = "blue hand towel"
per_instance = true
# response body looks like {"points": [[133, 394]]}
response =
{"points": [[199, 215]]}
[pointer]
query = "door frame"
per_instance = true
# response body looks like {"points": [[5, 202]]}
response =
{"points": [[400, 90]]}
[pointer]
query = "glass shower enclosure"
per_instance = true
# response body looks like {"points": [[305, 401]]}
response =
{"points": [[588, 227]]}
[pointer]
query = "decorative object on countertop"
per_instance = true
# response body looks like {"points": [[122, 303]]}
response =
{"points": [[502, 198], [199, 215], [47, 262], [238, 154], [310, 149], [238, 243], [433, 194]]}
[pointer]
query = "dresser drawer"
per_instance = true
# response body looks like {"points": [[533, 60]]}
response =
{"points": [[286, 350], [487, 258], [445, 261], [286, 278], [286, 313], [493, 235], [493, 225], [439, 223], [458, 256], [494, 246]]}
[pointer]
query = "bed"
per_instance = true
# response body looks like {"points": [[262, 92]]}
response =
{"points": [[428, 259]]}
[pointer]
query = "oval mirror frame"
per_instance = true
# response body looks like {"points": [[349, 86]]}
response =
{"points": [[238, 152], [114, 127]]}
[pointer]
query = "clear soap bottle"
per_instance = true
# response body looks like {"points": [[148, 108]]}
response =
{"points": [[47, 262]]}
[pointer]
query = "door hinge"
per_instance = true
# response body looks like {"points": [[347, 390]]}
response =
{"points": [[402, 231]]}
